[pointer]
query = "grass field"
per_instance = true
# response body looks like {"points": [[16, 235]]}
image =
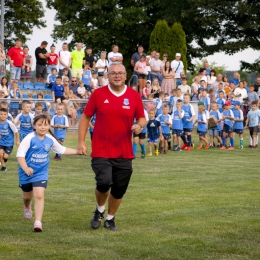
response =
{"points": [[199, 205]]}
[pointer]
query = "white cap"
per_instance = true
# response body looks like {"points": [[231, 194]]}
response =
{"points": [[178, 54]]}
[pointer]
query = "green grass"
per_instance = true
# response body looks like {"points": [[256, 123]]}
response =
{"points": [[198, 205]]}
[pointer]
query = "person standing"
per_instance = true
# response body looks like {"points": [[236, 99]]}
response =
{"points": [[115, 57], [168, 78], [41, 55], [156, 65], [116, 106], [140, 69], [53, 60], [77, 62], [178, 68], [16, 60], [135, 58], [27, 72], [64, 59], [101, 65], [2, 62], [89, 58]]}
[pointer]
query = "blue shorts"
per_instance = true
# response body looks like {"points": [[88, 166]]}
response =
{"points": [[177, 132], [29, 186], [166, 136], [202, 134], [214, 132], [150, 140], [238, 131], [7, 149], [187, 130], [227, 129], [88, 88], [50, 67], [15, 73]]}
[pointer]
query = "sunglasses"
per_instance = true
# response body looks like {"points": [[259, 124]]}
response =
{"points": [[73, 81]]}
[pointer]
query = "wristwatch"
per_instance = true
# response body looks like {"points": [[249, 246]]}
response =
{"points": [[141, 127]]}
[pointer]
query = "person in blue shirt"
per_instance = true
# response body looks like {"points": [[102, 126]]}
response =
{"points": [[235, 79], [46, 106], [91, 126], [220, 101], [15, 93], [205, 99], [86, 77], [139, 138], [159, 104], [228, 118], [214, 131], [7, 133], [60, 124], [253, 121], [33, 159], [171, 99], [238, 127], [202, 126], [51, 79], [176, 98], [25, 120], [4, 104], [154, 131], [166, 124], [177, 126], [189, 115]]}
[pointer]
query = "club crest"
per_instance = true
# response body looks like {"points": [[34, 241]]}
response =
{"points": [[126, 101], [47, 147]]}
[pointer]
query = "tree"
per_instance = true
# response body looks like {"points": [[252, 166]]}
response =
{"points": [[220, 69], [254, 67], [21, 17]]}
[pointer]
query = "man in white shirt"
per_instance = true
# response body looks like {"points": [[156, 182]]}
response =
{"points": [[178, 68], [155, 65], [64, 59], [115, 57], [240, 93]]}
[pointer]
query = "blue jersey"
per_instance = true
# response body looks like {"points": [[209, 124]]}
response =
{"points": [[7, 131], [232, 107], [58, 90], [226, 120], [52, 78], [253, 117], [92, 120], [202, 127], [176, 120], [36, 154], [60, 133], [14, 104], [218, 116], [175, 101], [206, 102], [188, 113], [153, 129], [220, 102], [238, 114], [26, 123], [86, 77], [171, 99], [158, 105], [165, 127]]}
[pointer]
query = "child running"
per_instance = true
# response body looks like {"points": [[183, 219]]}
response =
{"points": [[4, 104], [60, 123], [214, 131], [33, 159], [154, 132], [38, 109], [7, 133], [238, 127]]}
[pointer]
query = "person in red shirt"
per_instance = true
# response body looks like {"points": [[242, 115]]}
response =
{"points": [[52, 60], [116, 106], [16, 60]]}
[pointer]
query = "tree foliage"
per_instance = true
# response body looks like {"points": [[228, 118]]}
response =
{"points": [[220, 69], [20, 19], [254, 67]]}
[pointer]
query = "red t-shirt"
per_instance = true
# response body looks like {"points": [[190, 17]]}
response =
{"points": [[17, 56], [52, 60], [112, 137]]}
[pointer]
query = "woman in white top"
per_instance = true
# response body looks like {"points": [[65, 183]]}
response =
{"points": [[212, 77], [140, 68], [2, 61], [101, 65], [195, 89], [4, 87]]}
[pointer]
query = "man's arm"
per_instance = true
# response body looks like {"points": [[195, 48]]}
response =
{"points": [[133, 63], [82, 131]]}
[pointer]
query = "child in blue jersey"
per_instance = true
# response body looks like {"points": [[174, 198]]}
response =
{"points": [[253, 121], [219, 89], [202, 126], [231, 98], [33, 158], [154, 131], [38, 109], [205, 99], [139, 138], [238, 127], [46, 106], [51, 79], [4, 104], [228, 118], [91, 126], [214, 131], [7, 133], [220, 101], [177, 126], [86, 77], [159, 104], [171, 99], [25, 119], [176, 98], [15, 93], [189, 115], [166, 124], [59, 123]]}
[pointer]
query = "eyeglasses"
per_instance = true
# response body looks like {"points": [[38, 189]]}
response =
{"points": [[115, 74], [73, 81], [165, 56], [66, 81]]}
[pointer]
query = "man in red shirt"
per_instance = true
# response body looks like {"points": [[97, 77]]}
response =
{"points": [[115, 107], [16, 60]]}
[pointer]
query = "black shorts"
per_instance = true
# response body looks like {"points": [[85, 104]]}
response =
{"points": [[61, 98], [253, 129], [29, 186], [227, 129], [7, 149], [112, 173], [187, 130], [177, 132], [41, 71], [141, 76], [141, 135], [88, 88], [100, 74], [166, 136], [238, 131], [202, 134]]}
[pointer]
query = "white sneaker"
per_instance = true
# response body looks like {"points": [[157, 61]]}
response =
{"points": [[37, 226], [27, 212]]}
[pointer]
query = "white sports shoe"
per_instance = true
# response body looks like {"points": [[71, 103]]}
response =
{"points": [[37, 226], [27, 212]]}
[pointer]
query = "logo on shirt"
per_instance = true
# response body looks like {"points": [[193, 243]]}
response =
{"points": [[106, 101], [152, 124], [47, 147], [33, 147], [126, 101]]}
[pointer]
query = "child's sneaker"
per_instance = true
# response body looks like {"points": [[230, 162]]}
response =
{"points": [[142, 155], [222, 147], [156, 152], [178, 149], [3, 169], [241, 147], [27, 212], [218, 145], [160, 150], [199, 147], [165, 152], [211, 146], [174, 148], [206, 146], [188, 149], [149, 154], [37, 226], [184, 146], [231, 148], [192, 144]]}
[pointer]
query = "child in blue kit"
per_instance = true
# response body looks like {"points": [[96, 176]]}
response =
{"points": [[4, 104], [238, 127], [91, 126], [60, 123], [25, 119], [220, 101], [15, 93], [33, 158], [189, 115], [7, 133], [139, 138], [154, 131], [214, 131], [228, 118], [177, 126], [86, 77], [159, 104], [166, 123], [205, 99]]}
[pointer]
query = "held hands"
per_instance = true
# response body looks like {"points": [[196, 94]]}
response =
{"points": [[17, 143], [29, 171], [82, 149], [136, 128]]}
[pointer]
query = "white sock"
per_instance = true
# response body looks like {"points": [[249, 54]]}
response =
{"points": [[257, 139], [251, 141], [101, 208], [109, 217]]}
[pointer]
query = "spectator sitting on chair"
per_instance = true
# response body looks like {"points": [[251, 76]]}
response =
{"points": [[52, 78], [15, 93], [46, 106], [4, 87], [65, 73]]}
